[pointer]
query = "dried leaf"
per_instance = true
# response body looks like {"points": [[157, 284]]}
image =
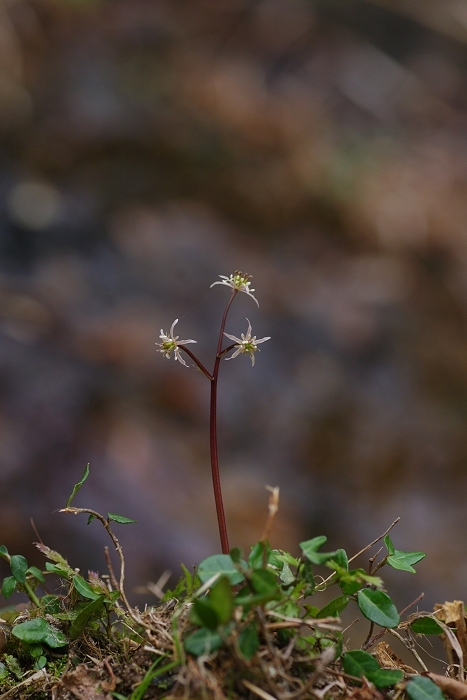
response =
{"points": [[450, 611], [386, 658], [450, 640], [454, 689], [453, 613], [83, 684]]}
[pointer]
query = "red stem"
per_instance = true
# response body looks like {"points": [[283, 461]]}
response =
{"points": [[216, 482], [199, 364]]}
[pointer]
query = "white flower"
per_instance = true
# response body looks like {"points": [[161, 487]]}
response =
{"points": [[246, 344], [239, 281], [171, 342]]}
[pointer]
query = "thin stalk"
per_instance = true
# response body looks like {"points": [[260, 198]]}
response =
{"points": [[197, 362], [226, 350], [216, 482], [31, 595]]}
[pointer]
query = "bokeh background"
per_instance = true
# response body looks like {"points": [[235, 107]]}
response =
{"points": [[148, 146]]}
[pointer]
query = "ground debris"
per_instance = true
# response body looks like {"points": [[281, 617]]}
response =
{"points": [[84, 684]]}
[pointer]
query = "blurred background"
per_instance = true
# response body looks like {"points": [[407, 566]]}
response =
{"points": [[148, 146]]}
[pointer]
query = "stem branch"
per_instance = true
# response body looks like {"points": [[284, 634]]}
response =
{"points": [[197, 362]]}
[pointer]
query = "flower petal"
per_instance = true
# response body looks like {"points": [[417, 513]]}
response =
{"points": [[262, 340], [173, 326], [178, 357], [232, 337], [247, 291]]}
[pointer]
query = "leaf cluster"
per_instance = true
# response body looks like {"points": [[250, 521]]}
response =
{"points": [[237, 597], [53, 621], [255, 618]]}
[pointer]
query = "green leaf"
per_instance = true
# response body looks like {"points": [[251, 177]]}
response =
{"points": [[352, 581], [404, 560], [265, 587], [37, 573], [425, 625], [91, 610], [19, 566], [202, 641], [40, 663], [55, 638], [8, 586], [185, 587], [334, 607], [371, 580], [3, 671], [282, 557], [423, 688], [248, 641], [51, 603], [84, 588], [264, 582], [35, 650], [236, 554], [286, 575], [4, 553], [359, 663], [220, 598], [306, 573], [247, 600], [120, 519], [259, 555], [191, 580], [39, 631], [311, 611], [216, 608], [220, 564], [77, 486], [378, 607], [385, 677], [204, 614], [56, 558], [310, 550], [389, 545], [57, 569], [341, 559]]}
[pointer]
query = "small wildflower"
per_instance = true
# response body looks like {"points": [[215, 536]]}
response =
{"points": [[171, 342], [247, 344], [239, 281]]}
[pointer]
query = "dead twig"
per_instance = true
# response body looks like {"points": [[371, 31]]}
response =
{"points": [[411, 647], [369, 546], [365, 549]]}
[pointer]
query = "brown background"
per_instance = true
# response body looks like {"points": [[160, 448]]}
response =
{"points": [[148, 146]]}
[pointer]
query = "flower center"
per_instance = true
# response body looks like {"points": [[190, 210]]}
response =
{"points": [[241, 280]]}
